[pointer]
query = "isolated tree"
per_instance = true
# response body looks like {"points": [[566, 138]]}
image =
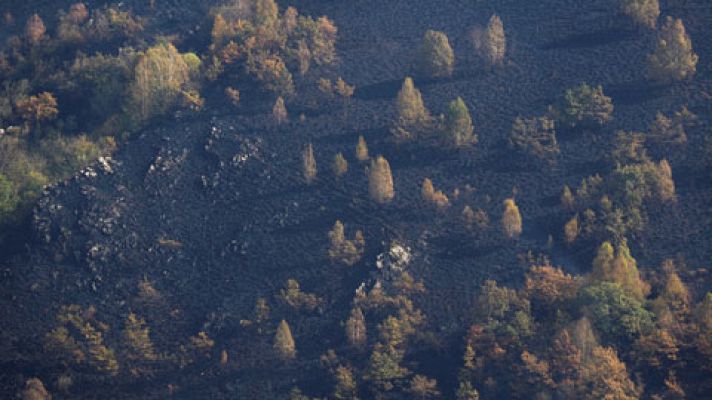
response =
{"points": [[511, 219], [159, 80], [339, 166], [309, 164], [643, 12], [412, 116], [458, 125], [535, 136], [279, 111], [35, 29], [361, 149], [495, 45], [673, 58], [585, 105], [380, 181], [356, 328], [284, 342], [435, 57]]}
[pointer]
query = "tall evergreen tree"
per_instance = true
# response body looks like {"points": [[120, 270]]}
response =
{"points": [[511, 219], [412, 116], [435, 57]]}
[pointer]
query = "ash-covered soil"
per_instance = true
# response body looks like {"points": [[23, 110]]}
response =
{"points": [[226, 183]]}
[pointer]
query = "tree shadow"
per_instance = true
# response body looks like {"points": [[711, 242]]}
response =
{"points": [[636, 92], [591, 39]]}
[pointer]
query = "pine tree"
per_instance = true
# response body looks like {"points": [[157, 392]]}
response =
{"points": [[345, 384], [664, 184], [458, 125], [602, 263], [436, 57], [340, 166], [643, 12], [35, 390], [567, 198], [356, 328], [413, 118], [361, 149], [380, 181], [673, 58], [511, 219], [279, 111], [284, 342], [571, 230], [309, 164]]}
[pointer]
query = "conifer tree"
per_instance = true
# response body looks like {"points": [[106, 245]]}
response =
{"points": [[340, 166], [345, 384], [511, 219], [361, 149], [35, 390], [356, 328], [413, 118], [643, 12], [602, 263], [458, 125], [284, 342], [309, 164], [380, 181], [567, 198], [571, 230], [673, 58], [664, 183], [435, 57]]}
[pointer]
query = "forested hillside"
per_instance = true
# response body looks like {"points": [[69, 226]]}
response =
{"points": [[482, 199]]}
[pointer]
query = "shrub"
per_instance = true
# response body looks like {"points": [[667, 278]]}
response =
{"points": [[671, 130], [35, 390], [380, 181], [413, 118], [272, 72], [534, 136], [234, 95], [293, 296], [511, 219], [435, 57], [458, 125], [585, 105], [673, 58], [643, 12]]}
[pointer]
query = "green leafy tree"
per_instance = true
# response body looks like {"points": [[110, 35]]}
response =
{"points": [[616, 314], [435, 57], [673, 58], [585, 105], [458, 125]]}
